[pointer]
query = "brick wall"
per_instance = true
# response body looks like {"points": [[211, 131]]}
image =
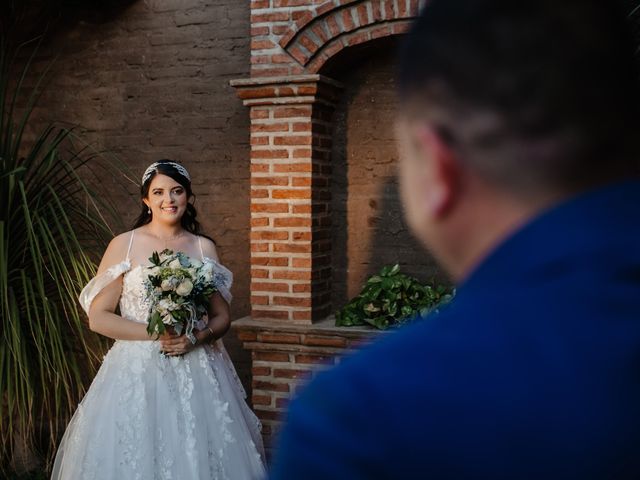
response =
{"points": [[292, 103], [153, 82], [324, 206], [286, 356]]}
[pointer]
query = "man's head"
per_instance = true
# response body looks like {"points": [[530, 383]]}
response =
{"points": [[506, 108]]}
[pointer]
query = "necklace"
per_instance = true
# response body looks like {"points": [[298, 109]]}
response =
{"points": [[166, 240]]}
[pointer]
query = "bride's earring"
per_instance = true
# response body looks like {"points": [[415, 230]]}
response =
{"points": [[148, 210]]}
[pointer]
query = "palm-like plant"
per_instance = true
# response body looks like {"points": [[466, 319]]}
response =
{"points": [[50, 223]]}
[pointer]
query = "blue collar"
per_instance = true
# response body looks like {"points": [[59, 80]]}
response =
{"points": [[601, 219]]}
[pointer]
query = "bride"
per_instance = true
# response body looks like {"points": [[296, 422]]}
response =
{"points": [[147, 415]]}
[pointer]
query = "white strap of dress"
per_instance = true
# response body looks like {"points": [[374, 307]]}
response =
{"points": [[200, 245], [130, 242]]}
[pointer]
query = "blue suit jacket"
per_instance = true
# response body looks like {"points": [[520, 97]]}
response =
{"points": [[532, 372]]}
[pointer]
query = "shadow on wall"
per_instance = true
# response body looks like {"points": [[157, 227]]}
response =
{"points": [[369, 230]]}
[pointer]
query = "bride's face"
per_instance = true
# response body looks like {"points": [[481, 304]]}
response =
{"points": [[167, 199]]}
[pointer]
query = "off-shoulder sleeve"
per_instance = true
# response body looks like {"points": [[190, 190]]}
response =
{"points": [[222, 279], [97, 283]]}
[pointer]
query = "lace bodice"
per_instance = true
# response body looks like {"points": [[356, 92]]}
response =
{"points": [[133, 299]]}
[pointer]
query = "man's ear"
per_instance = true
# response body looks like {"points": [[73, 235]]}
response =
{"points": [[444, 172]]}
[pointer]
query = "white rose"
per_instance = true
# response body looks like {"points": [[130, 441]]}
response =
{"points": [[184, 288], [167, 319], [207, 272], [175, 263], [166, 284]]}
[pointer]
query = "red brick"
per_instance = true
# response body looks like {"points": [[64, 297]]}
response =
{"points": [[293, 301], [301, 262], [300, 236], [269, 235], [269, 181], [332, 24], [388, 10], [259, 168], [259, 193], [292, 222], [268, 414], [270, 314], [259, 300], [271, 356], [325, 7], [302, 315], [324, 341], [269, 17], [247, 336], [292, 248], [259, 273], [280, 58], [259, 31], [261, 371], [301, 127], [292, 274], [279, 338], [269, 153], [261, 400], [257, 113], [363, 15], [270, 127], [301, 287], [313, 359], [309, 44], [292, 167], [262, 44], [292, 140], [298, 54], [270, 207], [291, 373], [304, 193], [307, 90], [347, 20], [270, 386], [301, 181], [258, 92], [270, 261], [260, 247], [286, 112], [269, 287], [301, 209], [263, 140], [282, 402]]}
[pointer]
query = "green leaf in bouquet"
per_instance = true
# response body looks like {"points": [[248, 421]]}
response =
{"points": [[155, 258]]}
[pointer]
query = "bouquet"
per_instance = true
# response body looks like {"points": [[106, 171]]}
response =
{"points": [[178, 288]]}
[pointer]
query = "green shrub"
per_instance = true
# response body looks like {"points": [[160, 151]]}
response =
{"points": [[392, 298]]}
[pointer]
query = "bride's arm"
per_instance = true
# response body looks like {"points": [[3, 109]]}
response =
{"points": [[219, 316], [102, 318]]}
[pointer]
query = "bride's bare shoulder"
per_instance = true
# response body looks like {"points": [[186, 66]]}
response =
{"points": [[116, 251], [209, 248]]}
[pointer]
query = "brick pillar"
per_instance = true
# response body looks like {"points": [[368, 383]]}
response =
{"points": [[290, 195]]}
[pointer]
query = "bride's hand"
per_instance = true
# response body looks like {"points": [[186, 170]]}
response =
{"points": [[174, 345]]}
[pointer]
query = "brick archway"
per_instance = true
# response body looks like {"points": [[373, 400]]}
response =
{"points": [[291, 107], [319, 35], [290, 110]]}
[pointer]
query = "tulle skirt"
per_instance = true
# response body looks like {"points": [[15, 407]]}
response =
{"points": [[151, 417]]}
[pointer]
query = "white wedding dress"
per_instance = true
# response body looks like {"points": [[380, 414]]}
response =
{"points": [[151, 417]]}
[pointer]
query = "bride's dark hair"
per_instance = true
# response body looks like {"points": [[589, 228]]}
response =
{"points": [[188, 219]]}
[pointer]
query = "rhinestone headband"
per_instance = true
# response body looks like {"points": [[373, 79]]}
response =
{"points": [[154, 167]]}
